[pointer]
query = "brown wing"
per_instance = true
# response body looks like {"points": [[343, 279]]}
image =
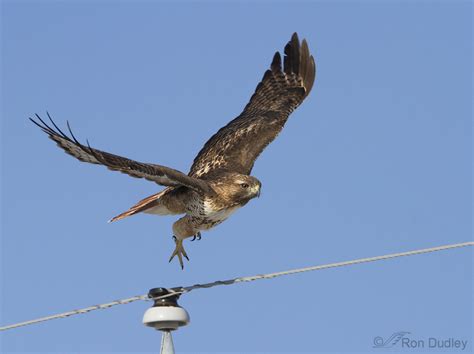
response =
{"points": [[160, 174], [236, 146]]}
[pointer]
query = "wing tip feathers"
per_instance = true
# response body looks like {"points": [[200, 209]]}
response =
{"points": [[298, 60], [276, 62]]}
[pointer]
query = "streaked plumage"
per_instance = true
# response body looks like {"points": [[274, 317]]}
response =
{"points": [[219, 180]]}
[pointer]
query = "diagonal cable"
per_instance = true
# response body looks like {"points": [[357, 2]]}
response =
{"points": [[320, 267], [186, 289], [86, 310]]}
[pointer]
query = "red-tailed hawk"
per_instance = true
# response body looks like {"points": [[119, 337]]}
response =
{"points": [[219, 181]]}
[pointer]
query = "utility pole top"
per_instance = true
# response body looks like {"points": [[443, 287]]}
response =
{"points": [[165, 315]]}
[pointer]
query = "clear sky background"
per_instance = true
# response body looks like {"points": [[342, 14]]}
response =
{"points": [[377, 160]]}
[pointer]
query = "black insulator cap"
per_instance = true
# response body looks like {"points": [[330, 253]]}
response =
{"points": [[171, 300]]}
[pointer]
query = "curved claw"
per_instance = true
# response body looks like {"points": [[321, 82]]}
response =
{"points": [[179, 251], [197, 236]]}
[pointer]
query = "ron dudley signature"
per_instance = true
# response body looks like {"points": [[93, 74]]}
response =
{"points": [[405, 340]]}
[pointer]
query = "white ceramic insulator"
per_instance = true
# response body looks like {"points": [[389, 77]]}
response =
{"points": [[166, 317]]}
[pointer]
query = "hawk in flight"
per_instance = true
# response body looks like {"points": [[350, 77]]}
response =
{"points": [[219, 180]]}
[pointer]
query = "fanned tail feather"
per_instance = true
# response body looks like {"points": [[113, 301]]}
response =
{"points": [[142, 205]]}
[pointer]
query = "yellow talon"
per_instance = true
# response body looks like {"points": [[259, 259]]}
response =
{"points": [[179, 251]]}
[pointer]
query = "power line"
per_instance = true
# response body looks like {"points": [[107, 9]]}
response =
{"points": [[86, 310], [186, 289], [324, 266]]}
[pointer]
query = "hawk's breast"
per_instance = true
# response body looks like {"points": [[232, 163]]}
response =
{"points": [[223, 214], [208, 212], [215, 218]]}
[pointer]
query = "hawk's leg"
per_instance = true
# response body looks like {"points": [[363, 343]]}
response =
{"points": [[197, 236], [179, 251]]}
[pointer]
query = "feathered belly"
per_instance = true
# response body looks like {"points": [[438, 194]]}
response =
{"points": [[222, 214], [216, 218], [207, 215]]}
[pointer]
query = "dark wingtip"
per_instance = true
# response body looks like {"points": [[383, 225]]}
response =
{"points": [[276, 62], [34, 122], [294, 38], [42, 125], [292, 55], [300, 61], [310, 75], [297, 60], [39, 118], [72, 135], [56, 132]]}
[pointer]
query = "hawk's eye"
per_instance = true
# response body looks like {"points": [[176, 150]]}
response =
{"points": [[244, 185]]}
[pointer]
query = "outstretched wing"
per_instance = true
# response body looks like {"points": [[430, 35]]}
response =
{"points": [[160, 174], [236, 146]]}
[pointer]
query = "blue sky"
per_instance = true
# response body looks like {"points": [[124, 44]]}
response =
{"points": [[377, 160]]}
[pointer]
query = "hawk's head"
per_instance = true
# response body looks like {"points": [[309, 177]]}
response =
{"points": [[237, 188]]}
